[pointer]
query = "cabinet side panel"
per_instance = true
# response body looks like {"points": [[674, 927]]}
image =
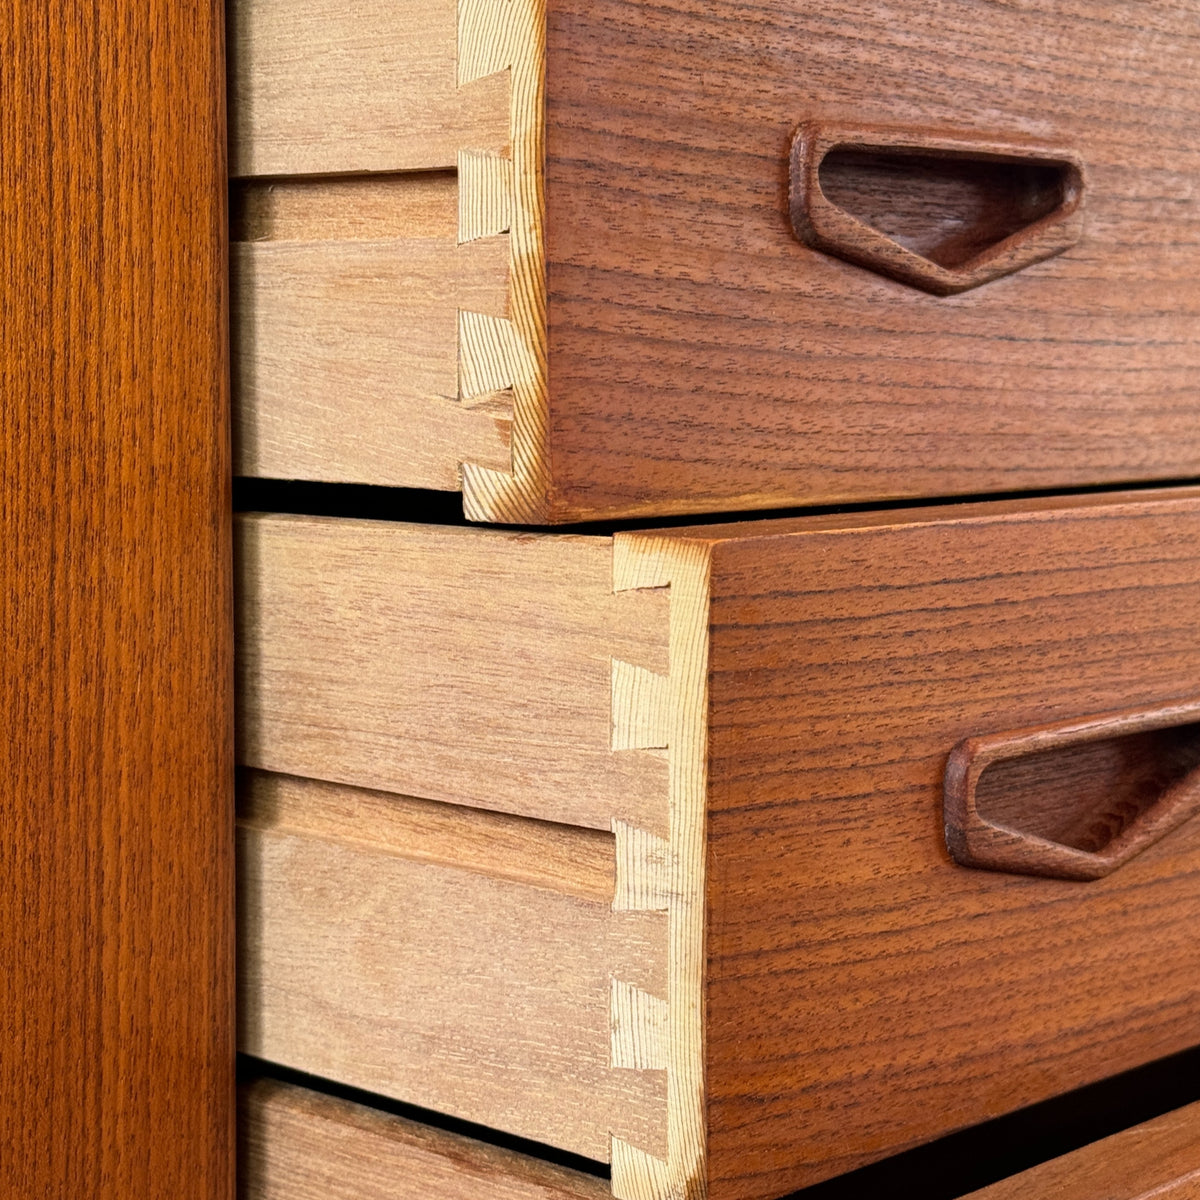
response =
{"points": [[865, 992], [116, 909]]}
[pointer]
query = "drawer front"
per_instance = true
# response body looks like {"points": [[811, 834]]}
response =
{"points": [[299, 1145], [762, 715], [865, 991], [1160, 1159], [642, 316]]}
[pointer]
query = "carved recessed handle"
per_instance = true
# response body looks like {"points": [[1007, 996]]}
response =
{"points": [[1074, 800], [940, 213]]}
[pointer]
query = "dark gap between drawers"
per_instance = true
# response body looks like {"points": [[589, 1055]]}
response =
{"points": [[985, 1154], [946, 1169], [250, 1069], [370, 502]]}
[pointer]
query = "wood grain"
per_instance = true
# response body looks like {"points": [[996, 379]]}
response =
{"points": [[370, 207], [322, 87], [1073, 800], [299, 1145], [1159, 1160], [477, 986], [463, 665], [864, 993], [985, 208], [346, 309], [702, 359], [395, 365], [565, 858], [511, 34], [675, 868], [823, 960], [116, 909]]}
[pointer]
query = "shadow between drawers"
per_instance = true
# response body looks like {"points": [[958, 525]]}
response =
{"points": [[943, 1170], [984, 1154], [250, 1069], [370, 502]]}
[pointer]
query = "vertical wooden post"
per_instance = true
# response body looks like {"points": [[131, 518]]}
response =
{"points": [[116, 888]]}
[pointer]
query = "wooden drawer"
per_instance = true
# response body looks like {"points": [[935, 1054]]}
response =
{"points": [[574, 280], [460, 959], [1159, 1160], [299, 1145], [757, 719]]}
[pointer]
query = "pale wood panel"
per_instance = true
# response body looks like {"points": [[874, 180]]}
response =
{"points": [[671, 874], [864, 992], [466, 665], [300, 1145], [455, 988], [371, 207], [521, 493], [567, 858], [331, 363], [322, 87], [346, 362], [1159, 1160]]}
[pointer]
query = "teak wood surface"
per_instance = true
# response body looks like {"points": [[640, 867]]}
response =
{"points": [[299, 1145], [837, 988], [116, 853], [1159, 1160], [666, 342], [703, 359], [863, 990]]}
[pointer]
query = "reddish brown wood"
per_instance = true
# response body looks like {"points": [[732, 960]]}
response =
{"points": [[864, 991], [1077, 799], [701, 358], [1028, 199], [300, 1145], [116, 928], [1159, 1160]]}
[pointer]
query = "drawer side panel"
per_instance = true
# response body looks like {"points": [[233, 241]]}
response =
{"points": [[451, 959], [455, 664], [299, 1145]]}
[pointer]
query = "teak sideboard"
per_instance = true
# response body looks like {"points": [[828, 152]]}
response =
{"points": [[731, 853]]}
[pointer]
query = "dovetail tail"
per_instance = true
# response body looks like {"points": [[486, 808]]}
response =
{"points": [[640, 708], [485, 38], [637, 1175], [490, 355], [494, 36], [485, 186], [644, 870], [639, 1028]]}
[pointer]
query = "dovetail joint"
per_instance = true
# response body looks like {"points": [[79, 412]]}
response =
{"points": [[639, 1028], [644, 870], [640, 708]]}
